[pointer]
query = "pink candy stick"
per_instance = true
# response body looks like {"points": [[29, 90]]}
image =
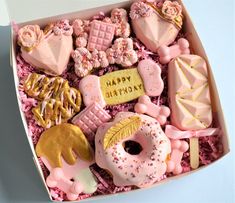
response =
{"points": [[145, 106], [168, 53], [177, 150]]}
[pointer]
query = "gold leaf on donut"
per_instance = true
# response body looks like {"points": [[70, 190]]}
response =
{"points": [[121, 130]]}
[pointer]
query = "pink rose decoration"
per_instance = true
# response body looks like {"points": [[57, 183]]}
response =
{"points": [[85, 61], [171, 10], [122, 52], [140, 9], [63, 27], [30, 36]]}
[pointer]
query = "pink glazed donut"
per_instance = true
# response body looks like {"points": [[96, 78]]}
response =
{"points": [[139, 159]]}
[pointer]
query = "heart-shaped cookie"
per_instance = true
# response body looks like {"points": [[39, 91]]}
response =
{"points": [[49, 52], [152, 26]]}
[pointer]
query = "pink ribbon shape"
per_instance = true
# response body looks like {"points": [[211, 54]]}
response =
{"points": [[174, 133]]}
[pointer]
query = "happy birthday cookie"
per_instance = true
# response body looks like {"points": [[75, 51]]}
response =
{"points": [[122, 86]]}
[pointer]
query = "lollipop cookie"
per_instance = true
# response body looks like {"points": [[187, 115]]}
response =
{"points": [[133, 148], [48, 51], [67, 155]]}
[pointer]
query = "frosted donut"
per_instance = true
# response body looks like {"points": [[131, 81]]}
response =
{"points": [[133, 148]]}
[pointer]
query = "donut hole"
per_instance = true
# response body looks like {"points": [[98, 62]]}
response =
{"points": [[132, 147]]}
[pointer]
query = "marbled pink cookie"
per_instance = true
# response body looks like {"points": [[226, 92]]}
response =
{"points": [[168, 53], [154, 31], [178, 148], [189, 94], [145, 106], [142, 169], [91, 118], [101, 35], [51, 55]]}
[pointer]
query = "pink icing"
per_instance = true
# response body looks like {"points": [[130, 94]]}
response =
{"points": [[30, 36], [122, 52], [143, 169], [140, 9], [171, 9], [63, 27]]}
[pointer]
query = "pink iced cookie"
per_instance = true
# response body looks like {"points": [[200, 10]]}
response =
{"points": [[91, 118], [138, 159], [50, 53], [168, 53], [150, 73], [167, 22], [145, 106], [189, 93], [146, 79], [178, 148], [101, 35], [61, 178]]}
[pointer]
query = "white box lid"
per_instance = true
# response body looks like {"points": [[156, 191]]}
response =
{"points": [[21, 11]]}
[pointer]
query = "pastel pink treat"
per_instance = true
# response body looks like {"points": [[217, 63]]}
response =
{"points": [[61, 178], [150, 73], [166, 25], [168, 53], [145, 106], [49, 53], [146, 79], [189, 93], [137, 159], [120, 19], [91, 90], [91, 118], [101, 35], [85, 60], [178, 148], [122, 52]]}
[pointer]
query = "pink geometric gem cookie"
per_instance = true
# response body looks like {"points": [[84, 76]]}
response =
{"points": [[101, 35]]}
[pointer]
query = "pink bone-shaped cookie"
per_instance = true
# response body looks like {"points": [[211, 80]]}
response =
{"points": [[167, 53], [178, 148], [58, 179], [61, 177], [149, 71], [145, 106]]}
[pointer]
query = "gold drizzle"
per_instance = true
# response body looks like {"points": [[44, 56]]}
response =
{"points": [[59, 101]]}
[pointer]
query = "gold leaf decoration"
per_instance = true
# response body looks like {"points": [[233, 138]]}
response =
{"points": [[121, 130]]}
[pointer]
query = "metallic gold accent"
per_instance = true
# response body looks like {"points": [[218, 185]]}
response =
{"points": [[65, 140], [178, 21], [59, 101]]}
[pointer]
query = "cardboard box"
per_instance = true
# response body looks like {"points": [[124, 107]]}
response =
{"points": [[80, 9]]}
